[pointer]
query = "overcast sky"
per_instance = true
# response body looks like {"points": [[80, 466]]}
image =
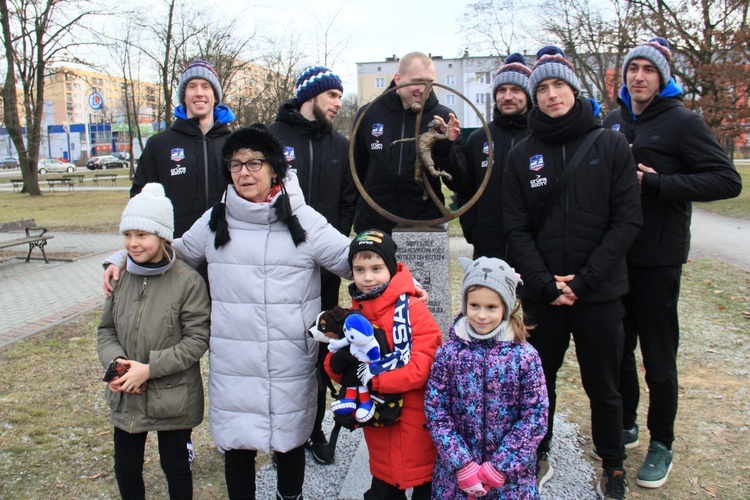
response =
{"points": [[372, 30]]}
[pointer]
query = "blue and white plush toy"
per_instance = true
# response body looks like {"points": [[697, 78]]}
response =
{"points": [[359, 336]]}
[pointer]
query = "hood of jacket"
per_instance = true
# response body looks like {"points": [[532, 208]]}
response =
{"points": [[289, 113]]}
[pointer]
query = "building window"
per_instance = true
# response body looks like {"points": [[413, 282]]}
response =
{"points": [[450, 99], [450, 80], [379, 83], [479, 78], [479, 99]]}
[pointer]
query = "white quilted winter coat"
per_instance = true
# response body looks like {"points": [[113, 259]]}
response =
{"points": [[265, 293]]}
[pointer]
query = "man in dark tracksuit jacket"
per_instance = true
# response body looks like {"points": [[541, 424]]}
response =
{"points": [[186, 159], [482, 223], [679, 161], [320, 157], [386, 170], [573, 263]]}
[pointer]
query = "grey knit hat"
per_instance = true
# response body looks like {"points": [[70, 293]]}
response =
{"points": [[200, 69], [551, 63], [656, 51], [515, 71], [315, 80], [150, 211], [491, 273]]}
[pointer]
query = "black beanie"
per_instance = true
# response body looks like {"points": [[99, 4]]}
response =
{"points": [[378, 242]]}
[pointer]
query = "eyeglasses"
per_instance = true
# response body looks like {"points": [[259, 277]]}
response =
{"points": [[255, 165]]}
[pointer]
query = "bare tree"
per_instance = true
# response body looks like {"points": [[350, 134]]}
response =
{"points": [[595, 37], [36, 34], [280, 64], [330, 40], [494, 26], [710, 42]]}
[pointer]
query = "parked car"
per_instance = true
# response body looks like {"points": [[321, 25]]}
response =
{"points": [[125, 156], [54, 165], [10, 162], [105, 162]]}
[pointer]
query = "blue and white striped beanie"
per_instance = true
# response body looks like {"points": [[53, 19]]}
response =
{"points": [[657, 52], [515, 71], [551, 63], [315, 80]]}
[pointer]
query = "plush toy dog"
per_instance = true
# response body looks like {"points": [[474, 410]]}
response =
{"points": [[359, 336]]}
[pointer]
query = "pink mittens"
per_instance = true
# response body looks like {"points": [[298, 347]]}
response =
{"points": [[469, 481]]}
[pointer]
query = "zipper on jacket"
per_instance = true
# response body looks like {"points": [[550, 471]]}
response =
{"points": [[308, 198], [205, 171], [566, 212], [135, 347], [484, 404], [401, 148]]}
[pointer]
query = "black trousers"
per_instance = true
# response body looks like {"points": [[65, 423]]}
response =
{"points": [[239, 472], [329, 298], [651, 318], [173, 455], [380, 490], [598, 334]]}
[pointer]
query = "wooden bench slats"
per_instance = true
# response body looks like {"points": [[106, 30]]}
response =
{"points": [[33, 240]]}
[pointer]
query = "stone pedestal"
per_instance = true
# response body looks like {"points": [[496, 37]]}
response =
{"points": [[425, 252]]}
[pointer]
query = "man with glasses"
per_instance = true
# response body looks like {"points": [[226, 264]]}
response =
{"points": [[319, 155]]}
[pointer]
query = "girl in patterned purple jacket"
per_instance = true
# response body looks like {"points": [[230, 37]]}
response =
{"points": [[486, 400]]}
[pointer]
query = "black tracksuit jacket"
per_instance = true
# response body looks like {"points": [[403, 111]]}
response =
{"points": [[691, 166]]}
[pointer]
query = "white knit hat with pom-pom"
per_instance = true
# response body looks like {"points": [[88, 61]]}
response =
{"points": [[150, 211]]}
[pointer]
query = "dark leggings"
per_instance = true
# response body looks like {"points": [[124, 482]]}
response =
{"points": [[239, 471], [380, 490], [173, 455]]}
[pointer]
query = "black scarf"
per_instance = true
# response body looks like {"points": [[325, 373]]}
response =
{"points": [[511, 123], [579, 120]]}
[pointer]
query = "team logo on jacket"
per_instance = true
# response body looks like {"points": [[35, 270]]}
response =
{"points": [[376, 146], [177, 154], [486, 148], [539, 181], [377, 129], [289, 153], [178, 170], [616, 127], [536, 163]]}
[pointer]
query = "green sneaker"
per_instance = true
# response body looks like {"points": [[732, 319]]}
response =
{"points": [[629, 439], [656, 467]]}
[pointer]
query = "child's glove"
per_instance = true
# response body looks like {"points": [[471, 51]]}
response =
{"points": [[364, 374], [469, 482], [491, 476]]}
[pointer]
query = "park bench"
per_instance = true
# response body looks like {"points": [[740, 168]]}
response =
{"points": [[62, 181], [17, 184], [36, 237], [111, 177], [74, 177]]}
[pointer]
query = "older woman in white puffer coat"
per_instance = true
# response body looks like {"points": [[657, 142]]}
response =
{"points": [[264, 248]]}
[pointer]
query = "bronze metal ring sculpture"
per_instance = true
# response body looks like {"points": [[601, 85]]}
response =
{"points": [[447, 214]]}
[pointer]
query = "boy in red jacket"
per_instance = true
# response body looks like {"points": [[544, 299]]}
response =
{"points": [[402, 455]]}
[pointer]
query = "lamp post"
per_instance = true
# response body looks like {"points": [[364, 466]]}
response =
{"points": [[66, 128]]}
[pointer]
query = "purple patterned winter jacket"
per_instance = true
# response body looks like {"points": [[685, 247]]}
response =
{"points": [[486, 401]]}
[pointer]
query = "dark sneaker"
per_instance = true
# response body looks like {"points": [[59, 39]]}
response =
{"points": [[613, 484], [629, 439], [656, 467], [544, 470]]}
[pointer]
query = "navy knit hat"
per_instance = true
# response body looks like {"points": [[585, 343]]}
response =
{"points": [[200, 69], [657, 52], [375, 241], [515, 71], [315, 80], [551, 63]]}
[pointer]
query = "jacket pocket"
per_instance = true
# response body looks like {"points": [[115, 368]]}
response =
{"points": [[167, 397], [114, 399]]}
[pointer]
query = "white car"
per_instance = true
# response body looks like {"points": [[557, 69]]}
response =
{"points": [[53, 165]]}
